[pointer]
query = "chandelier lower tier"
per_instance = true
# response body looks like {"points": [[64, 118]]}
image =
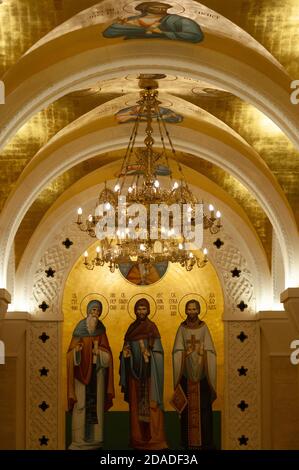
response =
{"points": [[149, 216]]}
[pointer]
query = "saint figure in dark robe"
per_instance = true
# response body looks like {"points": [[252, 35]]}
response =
{"points": [[194, 373], [90, 380], [141, 380]]}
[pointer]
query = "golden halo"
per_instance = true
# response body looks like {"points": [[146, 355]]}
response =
{"points": [[133, 300], [175, 9], [201, 300], [95, 296]]}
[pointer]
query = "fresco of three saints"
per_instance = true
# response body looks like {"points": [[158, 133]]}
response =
{"points": [[90, 387]]}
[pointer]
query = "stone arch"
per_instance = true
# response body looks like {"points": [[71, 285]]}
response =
{"points": [[260, 81], [64, 211], [235, 289], [231, 159]]}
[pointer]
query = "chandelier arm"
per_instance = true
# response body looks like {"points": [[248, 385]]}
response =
{"points": [[130, 149], [91, 233], [175, 157], [90, 266], [127, 150], [82, 226], [134, 181], [131, 144], [136, 126], [214, 229], [159, 120]]}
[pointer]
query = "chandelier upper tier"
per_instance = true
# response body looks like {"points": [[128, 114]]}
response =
{"points": [[149, 216]]}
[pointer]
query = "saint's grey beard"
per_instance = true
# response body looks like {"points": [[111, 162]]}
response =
{"points": [[91, 323]]}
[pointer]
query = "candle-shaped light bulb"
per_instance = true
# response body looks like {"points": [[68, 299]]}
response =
{"points": [[156, 184], [175, 185], [116, 188], [130, 189], [79, 212], [90, 218], [85, 257], [205, 251], [107, 206], [212, 211], [180, 246], [218, 214], [98, 249]]}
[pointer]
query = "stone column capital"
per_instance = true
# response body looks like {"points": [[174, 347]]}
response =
{"points": [[5, 299], [290, 300]]}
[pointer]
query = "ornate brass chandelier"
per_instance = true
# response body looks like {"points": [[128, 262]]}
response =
{"points": [[145, 181]]}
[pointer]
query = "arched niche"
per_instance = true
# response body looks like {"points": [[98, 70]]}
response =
{"points": [[236, 320]]}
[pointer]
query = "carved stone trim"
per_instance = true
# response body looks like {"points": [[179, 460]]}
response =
{"points": [[245, 387], [43, 354], [235, 289]]}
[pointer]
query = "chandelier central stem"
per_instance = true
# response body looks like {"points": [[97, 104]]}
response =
{"points": [[149, 140]]}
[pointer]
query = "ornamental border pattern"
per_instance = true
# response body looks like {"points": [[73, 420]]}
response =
{"points": [[243, 354], [43, 388]]}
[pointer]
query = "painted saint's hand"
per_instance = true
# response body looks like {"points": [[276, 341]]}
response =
{"points": [[127, 351], [189, 350], [146, 355], [154, 29], [121, 20], [79, 347]]}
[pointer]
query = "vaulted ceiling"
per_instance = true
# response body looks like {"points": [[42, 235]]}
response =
{"points": [[274, 38]]}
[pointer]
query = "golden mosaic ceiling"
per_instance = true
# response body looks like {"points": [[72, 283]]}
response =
{"points": [[273, 23]]}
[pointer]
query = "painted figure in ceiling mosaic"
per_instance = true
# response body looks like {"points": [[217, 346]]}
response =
{"points": [[154, 21], [130, 114]]}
